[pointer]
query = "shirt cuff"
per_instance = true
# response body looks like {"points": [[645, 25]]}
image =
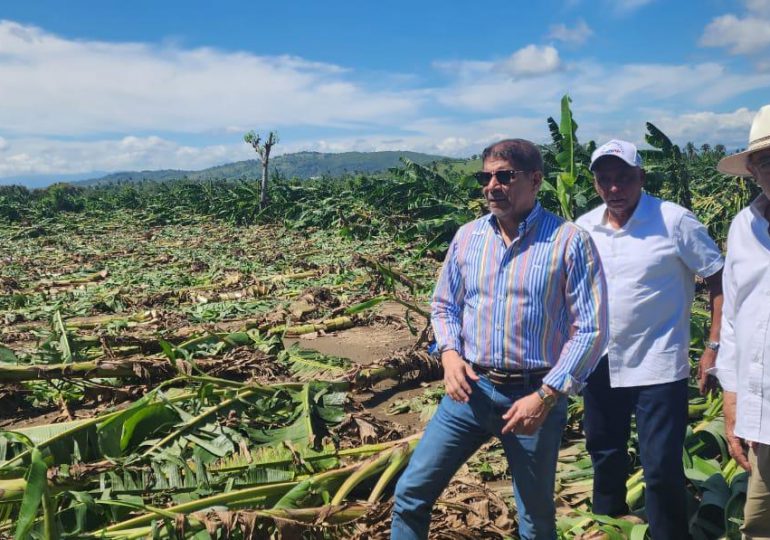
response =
{"points": [[713, 268], [563, 382], [452, 345]]}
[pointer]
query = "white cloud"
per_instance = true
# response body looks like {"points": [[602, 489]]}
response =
{"points": [[76, 106], [531, 61], [43, 156], [438, 136], [730, 128], [432, 135], [574, 36], [740, 35], [598, 88], [704, 84], [758, 7], [132, 153], [70, 87]]}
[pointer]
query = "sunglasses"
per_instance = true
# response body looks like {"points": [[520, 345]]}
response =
{"points": [[503, 177]]}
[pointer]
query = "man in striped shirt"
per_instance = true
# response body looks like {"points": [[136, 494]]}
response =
{"points": [[520, 318]]}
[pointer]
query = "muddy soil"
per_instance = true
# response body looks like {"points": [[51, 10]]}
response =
{"points": [[365, 345]]}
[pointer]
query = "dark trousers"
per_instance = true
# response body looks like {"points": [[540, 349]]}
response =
{"points": [[661, 421]]}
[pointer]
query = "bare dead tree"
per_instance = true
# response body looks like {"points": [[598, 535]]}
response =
{"points": [[262, 148]]}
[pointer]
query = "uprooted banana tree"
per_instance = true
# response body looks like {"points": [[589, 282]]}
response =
{"points": [[213, 444]]}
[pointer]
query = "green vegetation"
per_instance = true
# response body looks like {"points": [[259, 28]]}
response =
{"points": [[148, 393]]}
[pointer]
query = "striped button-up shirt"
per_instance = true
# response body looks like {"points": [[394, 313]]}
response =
{"points": [[539, 302]]}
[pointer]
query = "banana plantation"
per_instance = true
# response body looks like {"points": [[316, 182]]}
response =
{"points": [[178, 361]]}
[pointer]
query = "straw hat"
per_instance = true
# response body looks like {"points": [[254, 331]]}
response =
{"points": [[759, 139]]}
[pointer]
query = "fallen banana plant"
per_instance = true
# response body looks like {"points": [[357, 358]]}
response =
{"points": [[274, 472]]}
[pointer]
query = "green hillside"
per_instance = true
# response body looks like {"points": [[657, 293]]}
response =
{"points": [[297, 165]]}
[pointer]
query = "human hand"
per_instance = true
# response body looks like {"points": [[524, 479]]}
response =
{"points": [[737, 448], [707, 383], [456, 374], [735, 445], [526, 415]]}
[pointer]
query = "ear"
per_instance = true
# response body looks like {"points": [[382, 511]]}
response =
{"points": [[537, 180]]}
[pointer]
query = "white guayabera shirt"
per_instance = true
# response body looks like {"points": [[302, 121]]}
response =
{"points": [[650, 265], [743, 363]]}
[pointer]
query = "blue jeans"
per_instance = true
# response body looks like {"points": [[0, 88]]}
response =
{"points": [[454, 434], [661, 421]]}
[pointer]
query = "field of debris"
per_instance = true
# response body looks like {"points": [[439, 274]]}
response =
{"points": [[202, 380], [183, 360]]}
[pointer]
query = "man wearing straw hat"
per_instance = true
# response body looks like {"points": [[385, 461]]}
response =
{"points": [[743, 366]]}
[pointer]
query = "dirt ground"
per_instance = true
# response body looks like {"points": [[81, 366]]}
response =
{"points": [[364, 345]]}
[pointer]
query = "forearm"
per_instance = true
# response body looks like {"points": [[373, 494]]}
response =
{"points": [[716, 301], [447, 329], [447, 305], [716, 317], [579, 357], [586, 300], [729, 409]]}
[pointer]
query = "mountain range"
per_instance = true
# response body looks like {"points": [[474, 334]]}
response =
{"points": [[296, 165]]}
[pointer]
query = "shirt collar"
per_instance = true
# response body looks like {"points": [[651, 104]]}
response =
{"points": [[641, 212], [759, 205], [527, 224]]}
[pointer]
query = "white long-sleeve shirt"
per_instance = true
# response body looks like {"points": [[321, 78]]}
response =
{"points": [[743, 363]]}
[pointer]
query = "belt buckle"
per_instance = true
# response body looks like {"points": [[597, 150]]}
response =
{"points": [[500, 377]]}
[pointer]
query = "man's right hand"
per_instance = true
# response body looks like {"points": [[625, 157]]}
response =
{"points": [[737, 449], [456, 374], [735, 445]]}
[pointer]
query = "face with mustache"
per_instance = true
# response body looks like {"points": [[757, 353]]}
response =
{"points": [[620, 187], [511, 203], [759, 166]]}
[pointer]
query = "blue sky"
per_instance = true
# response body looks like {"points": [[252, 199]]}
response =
{"points": [[104, 86]]}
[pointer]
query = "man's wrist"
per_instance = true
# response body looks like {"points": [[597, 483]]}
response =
{"points": [[450, 355], [712, 346], [548, 396]]}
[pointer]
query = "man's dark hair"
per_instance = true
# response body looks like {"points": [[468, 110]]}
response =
{"points": [[520, 152]]}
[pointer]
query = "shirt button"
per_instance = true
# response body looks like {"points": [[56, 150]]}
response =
{"points": [[500, 297]]}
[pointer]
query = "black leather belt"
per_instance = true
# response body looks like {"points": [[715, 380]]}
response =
{"points": [[497, 376]]}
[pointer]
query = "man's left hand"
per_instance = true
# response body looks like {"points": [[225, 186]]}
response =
{"points": [[526, 415], [707, 383]]}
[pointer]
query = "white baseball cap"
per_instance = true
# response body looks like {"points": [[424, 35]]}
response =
{"points": [[620, 149]]}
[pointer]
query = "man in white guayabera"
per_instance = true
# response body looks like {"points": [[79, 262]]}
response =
{"points": [[520, 319], [651, 251], [743, 366]]}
